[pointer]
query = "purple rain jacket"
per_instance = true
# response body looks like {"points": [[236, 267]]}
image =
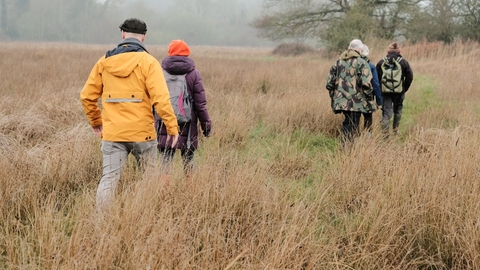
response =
{"points": [[178, 65]]}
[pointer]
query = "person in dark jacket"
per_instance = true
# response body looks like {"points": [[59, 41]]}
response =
{"points": [[368, 117], [393, 102], [178, 62]]}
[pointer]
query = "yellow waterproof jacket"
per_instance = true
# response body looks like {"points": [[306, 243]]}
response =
{"points": [[128, 85]]}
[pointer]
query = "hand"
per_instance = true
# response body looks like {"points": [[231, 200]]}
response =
{"points": [[97, 131], [173, 139], [207, 128], [206, 132]]}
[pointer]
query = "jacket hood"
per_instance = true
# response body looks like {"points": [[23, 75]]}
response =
{"points": [[122, 60], [178, 64], [349, 54], [122, 65]]}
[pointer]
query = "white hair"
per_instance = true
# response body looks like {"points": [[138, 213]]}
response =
{"points": [[365, 50], [356, 44]]}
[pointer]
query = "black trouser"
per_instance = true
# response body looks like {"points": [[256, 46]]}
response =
{"points": [[350, 125], [392, 105], [168, 154], [367, 121]]}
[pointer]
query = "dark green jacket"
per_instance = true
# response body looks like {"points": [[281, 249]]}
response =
{"points": [[349, 84]]}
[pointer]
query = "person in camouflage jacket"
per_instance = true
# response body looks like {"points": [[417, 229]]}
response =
{"points": [[350, 88]]}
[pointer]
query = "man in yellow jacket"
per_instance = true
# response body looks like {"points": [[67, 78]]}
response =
{"points": [[129, 82]]}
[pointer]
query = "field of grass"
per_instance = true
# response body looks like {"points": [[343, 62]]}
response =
{"points": [[272, 189]]}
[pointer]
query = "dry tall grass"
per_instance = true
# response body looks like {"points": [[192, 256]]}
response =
{"points": [[273, 189]]}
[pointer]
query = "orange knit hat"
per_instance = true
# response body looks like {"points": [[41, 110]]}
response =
{"points": [[178, 47]]}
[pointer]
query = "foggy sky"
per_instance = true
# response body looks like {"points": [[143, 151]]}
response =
{"points": [[199, 22]]}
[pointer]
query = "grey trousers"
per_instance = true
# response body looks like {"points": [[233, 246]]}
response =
{"points": [[114, 157]]}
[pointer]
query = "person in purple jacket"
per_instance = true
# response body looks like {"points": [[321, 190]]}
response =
{"points": [[376, 90], [178, 63]]}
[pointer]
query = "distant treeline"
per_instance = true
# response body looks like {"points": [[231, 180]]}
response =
{"points": [[335, 23]]}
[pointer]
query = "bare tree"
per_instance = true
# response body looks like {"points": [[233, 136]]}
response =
{"points": [[287, 19], [444, 15], [469, 19], [445, 20]]}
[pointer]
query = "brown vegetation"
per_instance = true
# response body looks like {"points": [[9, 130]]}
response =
{"points": [[272, 188], [292, 49]]}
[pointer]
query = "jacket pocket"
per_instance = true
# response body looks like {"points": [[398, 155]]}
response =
{"points": [[123, 96]]}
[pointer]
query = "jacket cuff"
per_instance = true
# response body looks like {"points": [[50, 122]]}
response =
{"points": [[172, 130], [96, 123]]}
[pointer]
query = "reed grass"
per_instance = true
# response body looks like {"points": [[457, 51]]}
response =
{"points": [[272, 189]]}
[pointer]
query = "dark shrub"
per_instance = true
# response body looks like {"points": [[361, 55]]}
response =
{"points": [[292, 49]]}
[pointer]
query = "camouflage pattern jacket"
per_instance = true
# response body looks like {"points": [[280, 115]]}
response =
{"points": [[349, 84]]}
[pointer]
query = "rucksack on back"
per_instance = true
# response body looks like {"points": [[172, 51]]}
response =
{"points": [[391, 75], [179, 97], [181, 102]]}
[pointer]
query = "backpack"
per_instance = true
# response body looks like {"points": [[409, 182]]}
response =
{"points": [[181, 102], [391, 80], [179, 97]]}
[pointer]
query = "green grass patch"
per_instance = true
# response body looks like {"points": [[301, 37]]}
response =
{"points": [[419, 100], [295, 159], [298, 141]]}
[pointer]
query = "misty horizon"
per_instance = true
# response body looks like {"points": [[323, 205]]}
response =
{"points": [[200, 22]]}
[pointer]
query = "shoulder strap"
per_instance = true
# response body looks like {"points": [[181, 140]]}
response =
{"points": [[336, 67]]}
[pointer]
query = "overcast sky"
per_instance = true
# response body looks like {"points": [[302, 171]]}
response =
{"points": [[199, 22]]}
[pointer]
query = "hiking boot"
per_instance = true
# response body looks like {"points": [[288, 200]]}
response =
{"points": [[395, 131], [396, 120]]}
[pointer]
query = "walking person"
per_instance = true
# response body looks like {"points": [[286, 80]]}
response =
{"points": [[128, 80], [368, 117], [350, 87], [393, 98], [178, 62]]}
